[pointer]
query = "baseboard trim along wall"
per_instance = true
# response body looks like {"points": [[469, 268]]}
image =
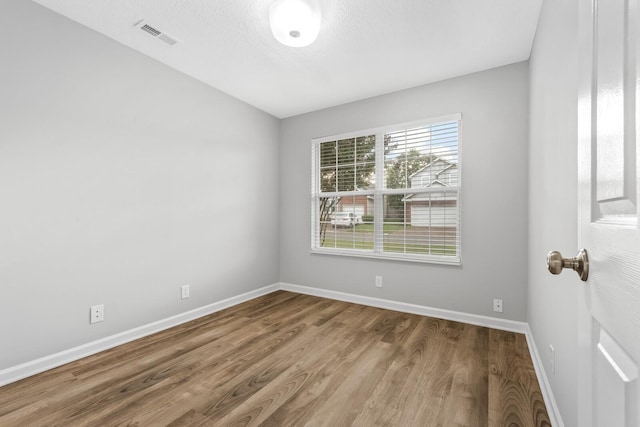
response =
{"points": [[543, 381], [473, 319], [42, 364], [33, 367]]}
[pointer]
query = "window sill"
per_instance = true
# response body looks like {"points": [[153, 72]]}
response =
{"points": [[424, 259]]}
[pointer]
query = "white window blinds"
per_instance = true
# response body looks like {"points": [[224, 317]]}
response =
{"points": [[390, 193]]}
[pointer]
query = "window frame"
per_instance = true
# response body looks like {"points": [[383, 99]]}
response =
{"points": [[379, 192]]}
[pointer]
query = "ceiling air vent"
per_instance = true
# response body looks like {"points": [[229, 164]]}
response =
{"points": [[157, 33]]}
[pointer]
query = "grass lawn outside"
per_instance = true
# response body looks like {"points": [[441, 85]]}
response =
{"points": [[388, 228], [409, 248], [398, 238]]}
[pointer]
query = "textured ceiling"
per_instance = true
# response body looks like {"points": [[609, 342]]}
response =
{"points": [[365, 47]]}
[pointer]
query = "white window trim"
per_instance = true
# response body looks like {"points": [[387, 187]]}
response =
{"points": [[379, 192]]}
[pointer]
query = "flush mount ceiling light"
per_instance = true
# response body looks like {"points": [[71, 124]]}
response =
{"points": [[295, 23]]}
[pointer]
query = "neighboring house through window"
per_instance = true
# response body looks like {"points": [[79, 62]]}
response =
{"points": [[391, 192]]}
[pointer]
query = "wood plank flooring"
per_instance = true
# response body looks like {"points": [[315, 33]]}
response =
{"points": [[286, 359]]}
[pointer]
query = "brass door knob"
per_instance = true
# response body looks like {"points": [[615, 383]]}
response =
{"points": [[579, 264]]}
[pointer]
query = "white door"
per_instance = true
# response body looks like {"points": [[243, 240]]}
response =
{"points": [[608, 164]]}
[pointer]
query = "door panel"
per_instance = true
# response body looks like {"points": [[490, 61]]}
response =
{"points": [[609, 306], [616, 383], [610, 64], [615, 24]]}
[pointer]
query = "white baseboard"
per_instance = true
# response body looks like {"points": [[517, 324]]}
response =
{"points": [[473, 319], [543, 381], [42, 364], [33, 367]]}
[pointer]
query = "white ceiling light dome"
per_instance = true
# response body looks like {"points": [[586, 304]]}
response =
{"points": [[295, 23]]}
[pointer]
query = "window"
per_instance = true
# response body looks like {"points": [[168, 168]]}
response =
{"points": [[389, 193]]}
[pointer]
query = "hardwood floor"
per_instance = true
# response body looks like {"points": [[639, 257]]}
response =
{"points": [[286, 359]]}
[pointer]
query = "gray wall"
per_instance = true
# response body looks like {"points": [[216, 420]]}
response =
{"points": [[494, 106], [114, 175], [552, 300], [120, 180]]}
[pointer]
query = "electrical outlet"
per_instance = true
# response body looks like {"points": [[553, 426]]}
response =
{"points": [[185, 292], [497, 305], [96, 313], [552, 359], [378, 281]]}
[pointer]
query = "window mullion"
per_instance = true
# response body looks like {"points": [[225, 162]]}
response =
{"points": [[378, 227]]}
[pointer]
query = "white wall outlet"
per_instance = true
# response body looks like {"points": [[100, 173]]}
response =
{"points": [[378, 281], [185, 292], [552, 359], [497, 305], [96, 313]]}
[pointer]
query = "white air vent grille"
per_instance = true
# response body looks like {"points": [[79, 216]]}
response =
{"points": [[170, 40], [149, 29]]}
